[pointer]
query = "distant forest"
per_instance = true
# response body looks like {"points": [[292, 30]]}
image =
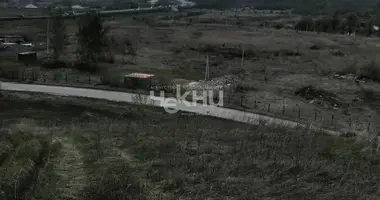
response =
{"points": [[303, 6]]}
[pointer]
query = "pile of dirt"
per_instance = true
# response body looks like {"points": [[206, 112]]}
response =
{"points": [[216, 83], [319, 96]]}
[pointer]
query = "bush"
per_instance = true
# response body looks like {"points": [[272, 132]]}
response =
{"points": [[107, 59], [197, 34], [243, 87], [54, 64], [110, 79], [338, 53], [306, 24], [279, 26], [114, 180], [86, 67], [10, 72], [370, 71]]}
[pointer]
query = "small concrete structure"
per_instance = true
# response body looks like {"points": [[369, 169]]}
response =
{"points": [[138, 81]]}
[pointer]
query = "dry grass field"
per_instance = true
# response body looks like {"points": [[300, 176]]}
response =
{"points": [[65, 148], [277, 62]]}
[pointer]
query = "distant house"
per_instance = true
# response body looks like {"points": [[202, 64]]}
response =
{"points": [[376, 28], [77, 7], [31, 6]]}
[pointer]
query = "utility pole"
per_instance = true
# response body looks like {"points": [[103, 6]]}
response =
{"points": [[242, 56], [207, 69], [47, 37]]}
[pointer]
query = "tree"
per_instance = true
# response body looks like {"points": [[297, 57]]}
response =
{"points": [[58, 35], [335, 22], [92, 37], [377, 17], [305, 24], [369, 28], [352, 20], [377, 22], [128, 48]]}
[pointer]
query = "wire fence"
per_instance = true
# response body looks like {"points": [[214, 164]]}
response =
{"points": [[329, 118]]}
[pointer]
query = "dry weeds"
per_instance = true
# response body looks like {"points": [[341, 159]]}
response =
{"points": [[147, 154]]}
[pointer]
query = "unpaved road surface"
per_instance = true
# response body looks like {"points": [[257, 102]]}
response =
{"points": [[208, 110]]}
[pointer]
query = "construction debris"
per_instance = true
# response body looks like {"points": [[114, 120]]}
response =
{"points": [[319, 96], [344, 76]]}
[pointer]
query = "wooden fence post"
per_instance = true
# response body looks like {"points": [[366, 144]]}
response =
{"points": [[315, 115], [268, 107], [66, 77], [350, 122], [369, 126], [299, 112], [241, 100]]}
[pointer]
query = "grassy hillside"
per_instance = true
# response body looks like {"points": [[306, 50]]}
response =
{"points": [[55, 150]]}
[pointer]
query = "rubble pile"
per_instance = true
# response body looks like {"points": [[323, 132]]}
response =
{"points": [[319, 96], [220, 83]]}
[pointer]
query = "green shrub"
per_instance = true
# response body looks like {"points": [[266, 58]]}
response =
{"points": [[54, 64], [113, 180], [86, 67], [305, 24], [370, 71], [10, 72], [111, 80]]}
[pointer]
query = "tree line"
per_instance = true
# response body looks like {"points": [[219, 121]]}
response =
{"points": [[94, 44], [301, 6], [366, 23]]}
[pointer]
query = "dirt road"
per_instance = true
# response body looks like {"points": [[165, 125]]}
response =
{"points": [[209, 110]]}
